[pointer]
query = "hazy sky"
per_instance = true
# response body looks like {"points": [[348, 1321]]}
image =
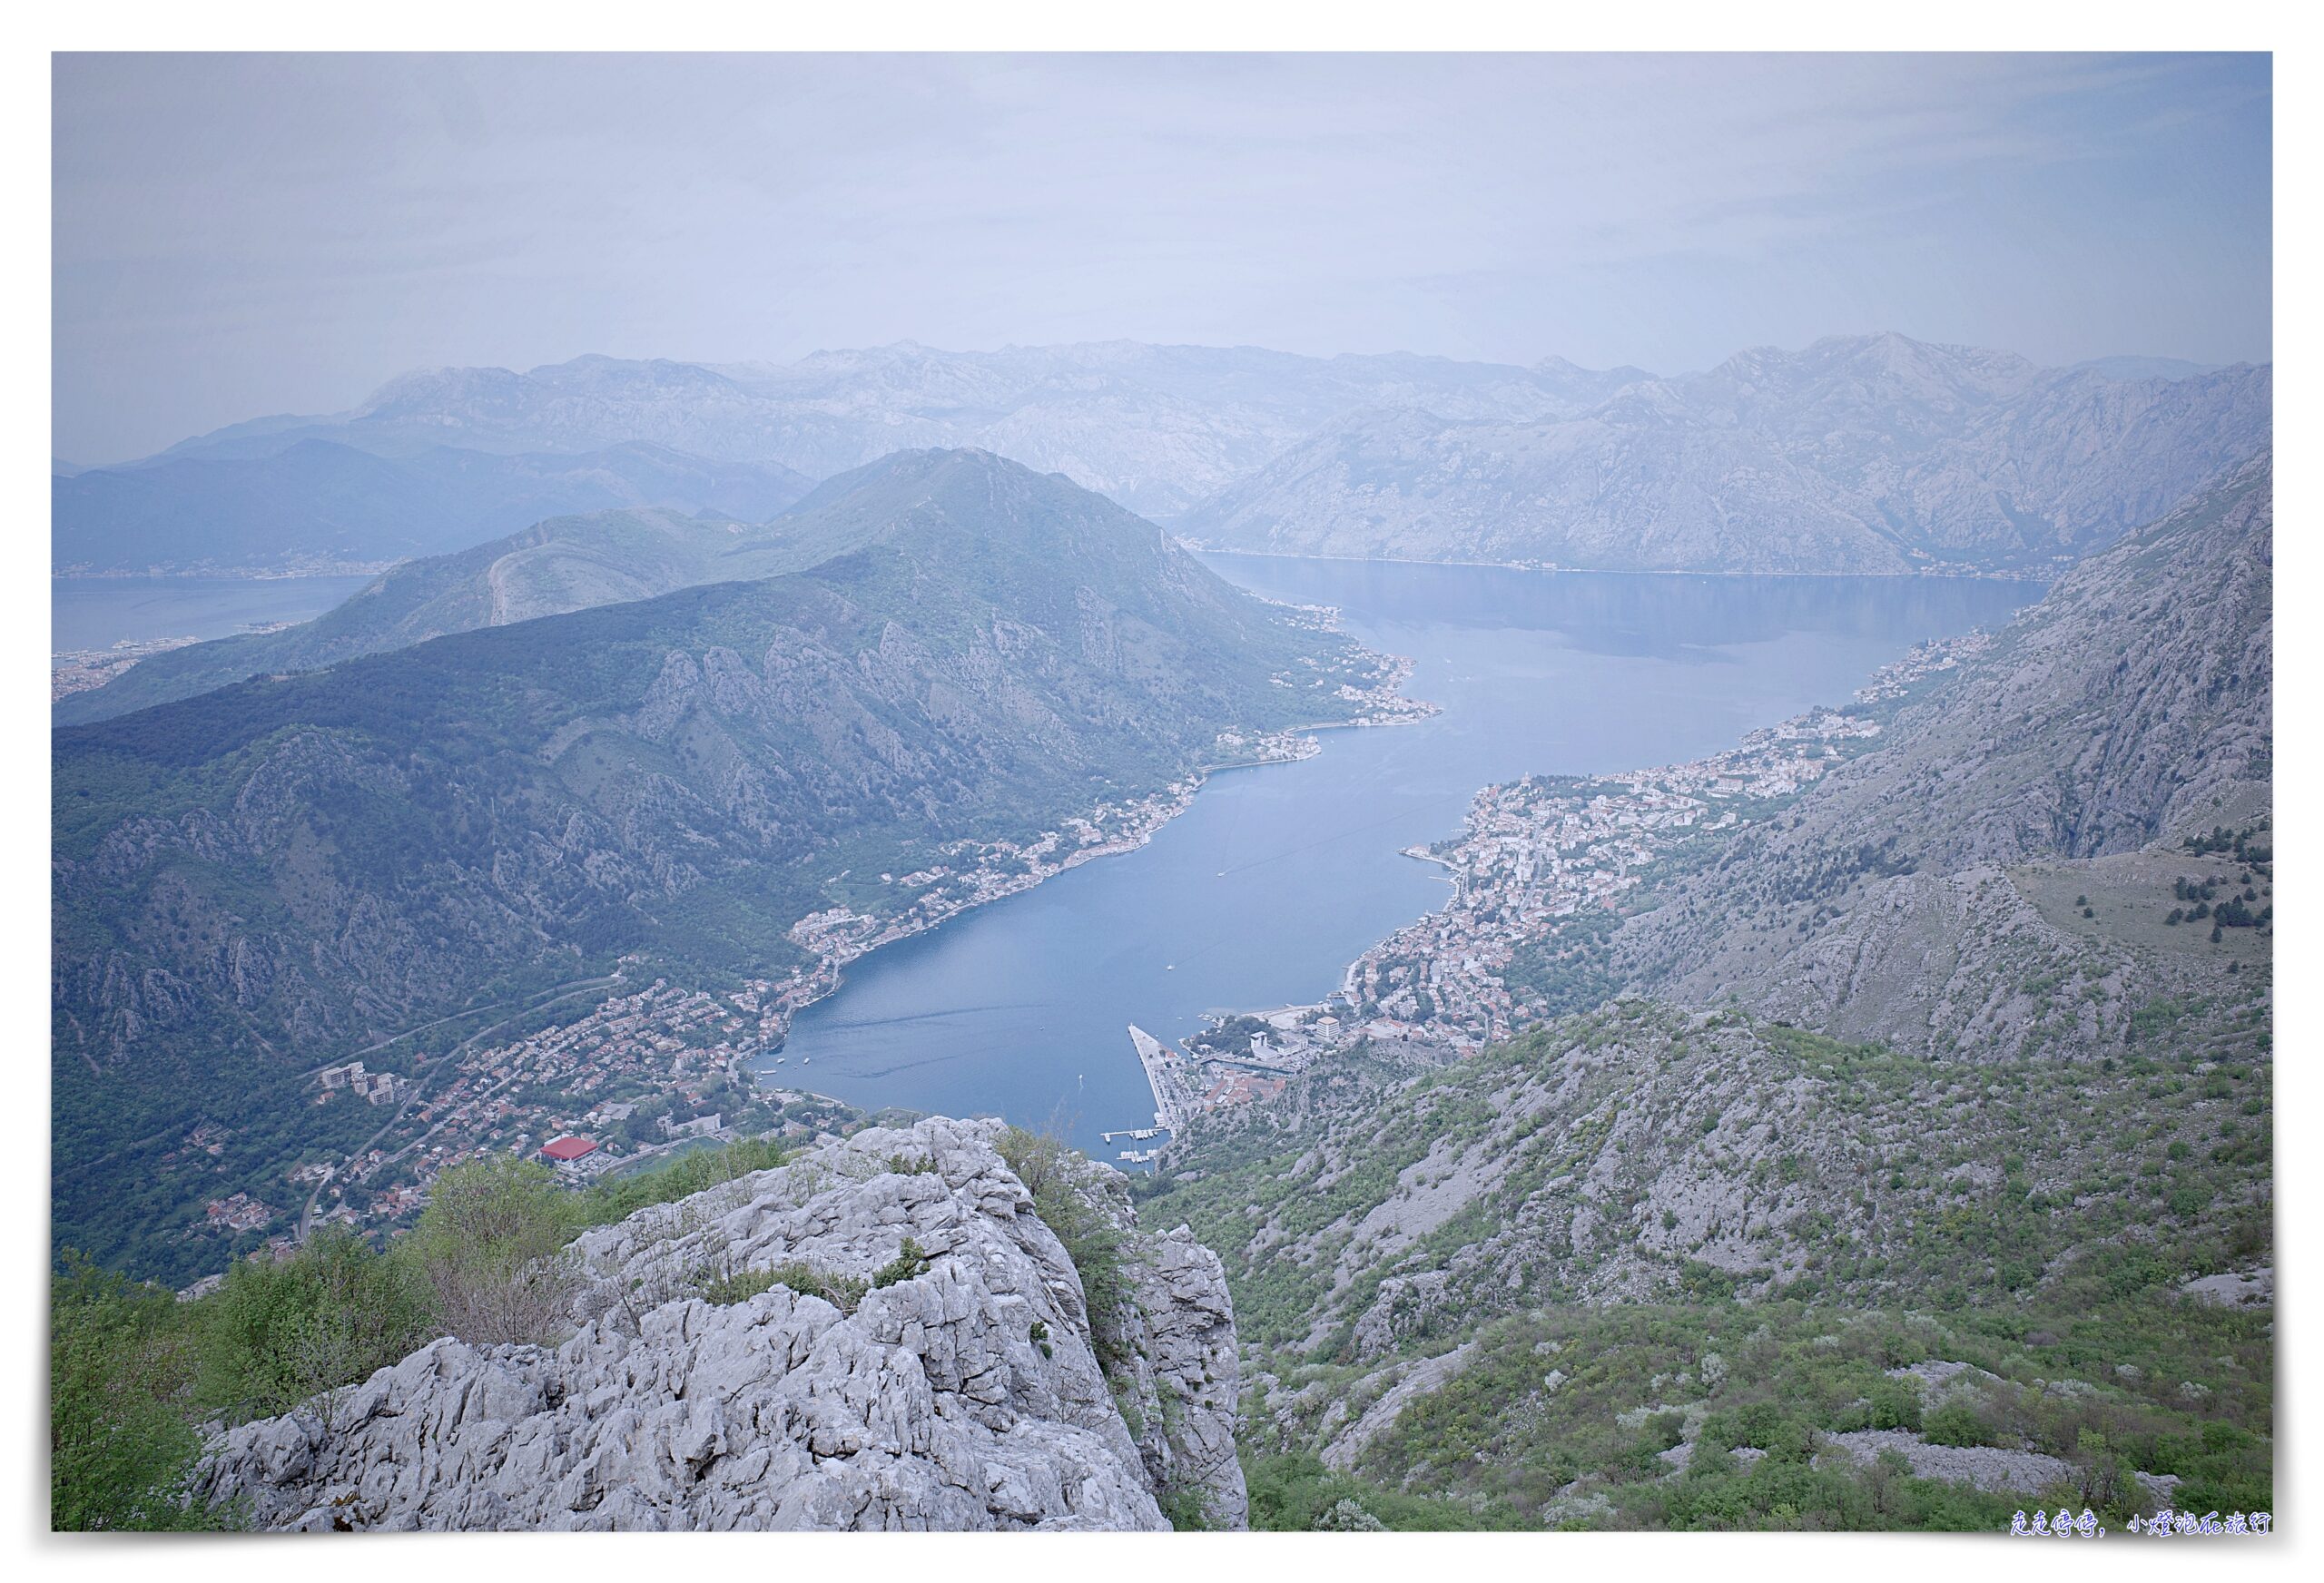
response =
{"points": [[238, 235]]}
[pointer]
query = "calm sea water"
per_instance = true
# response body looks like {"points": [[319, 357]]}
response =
{"points": [[1262, 893], [96, 613]]}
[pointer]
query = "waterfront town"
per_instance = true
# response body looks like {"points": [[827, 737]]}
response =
{"points": [[79, 669], [650, 1070], [1542, 870], [74, 670], [641, 1075]]}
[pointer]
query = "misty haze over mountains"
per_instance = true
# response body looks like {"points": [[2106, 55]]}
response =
{"points": [[1857, 454]]}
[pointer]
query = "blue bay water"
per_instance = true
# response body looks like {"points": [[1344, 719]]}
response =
{"points": [[1262, 893], [96, 613]]}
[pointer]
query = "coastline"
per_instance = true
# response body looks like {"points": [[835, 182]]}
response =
{"points": [[836, 935], [1540, 859], [1194, 547]]}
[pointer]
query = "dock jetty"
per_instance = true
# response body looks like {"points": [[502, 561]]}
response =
{"points": [[1156, 1059]]}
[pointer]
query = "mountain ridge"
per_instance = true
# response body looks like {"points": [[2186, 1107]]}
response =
{"points": [[1857, 454]]}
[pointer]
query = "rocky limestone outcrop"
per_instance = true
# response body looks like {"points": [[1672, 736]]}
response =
{"points": [[951, 1384]]}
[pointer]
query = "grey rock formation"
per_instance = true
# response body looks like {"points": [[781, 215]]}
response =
{"points": [[1411, 1383], [968, 1395], [1178, 1332], [2235, 1288], [1983, 1467]]}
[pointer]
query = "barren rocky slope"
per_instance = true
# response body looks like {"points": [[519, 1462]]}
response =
{"points": [[1615, 1156], [870, 1389], [1917, 895]]}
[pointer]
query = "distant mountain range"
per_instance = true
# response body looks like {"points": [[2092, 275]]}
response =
{"points": [[1859, 454], [1157, 427], [252, 879]]}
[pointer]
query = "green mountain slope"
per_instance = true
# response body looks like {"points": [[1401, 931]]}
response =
{"points": [[553, 568], [252, 881]]}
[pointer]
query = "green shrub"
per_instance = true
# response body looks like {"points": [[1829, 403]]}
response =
{"points": [[278, 1334], [491, 1246], [611, 1200], [1956, 1423], [911, 1261], [739, 1287], [841, 1291], [121, 1448]]}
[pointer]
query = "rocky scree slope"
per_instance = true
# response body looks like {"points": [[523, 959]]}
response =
{"points": [[1917, 894], [1640, 1151], [960, 1390], [1416, 1248], [1857, 454]]}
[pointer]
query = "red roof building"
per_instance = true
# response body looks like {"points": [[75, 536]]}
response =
{"points": [[1242, 1089], [566, 1149]]}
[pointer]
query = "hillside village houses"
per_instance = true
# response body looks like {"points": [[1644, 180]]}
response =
{"points": [[376, 1087], [1536, 854]]}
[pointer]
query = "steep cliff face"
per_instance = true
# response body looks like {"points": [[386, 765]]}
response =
{"points": [[1917, 895], [958, 1389]]}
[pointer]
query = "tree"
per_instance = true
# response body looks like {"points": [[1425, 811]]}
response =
{"points": [[491, 1246], [121, 1449], [276, 1335]]}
